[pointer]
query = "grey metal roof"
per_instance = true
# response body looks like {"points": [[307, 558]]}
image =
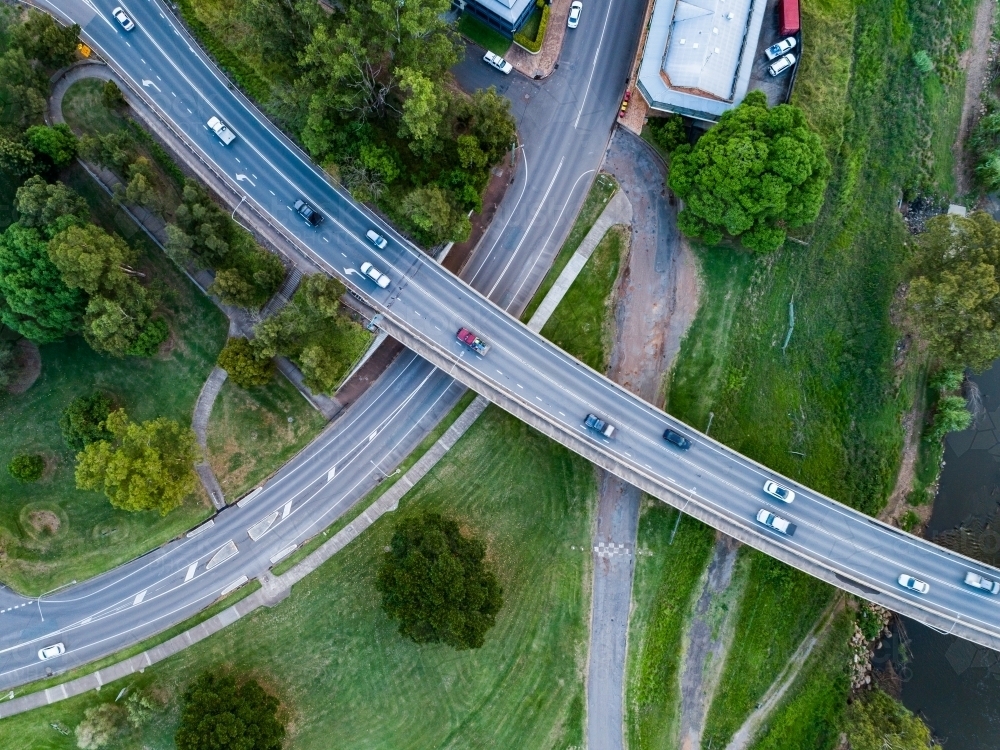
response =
{"points": [[510, 10], [699, 54]]}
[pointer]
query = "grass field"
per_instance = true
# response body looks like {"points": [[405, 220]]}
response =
{"points": [[809, 714], [483, 35], [582, 324], [600, 193], [91, 535], [253, 432], [667, 571], [347, 676]]}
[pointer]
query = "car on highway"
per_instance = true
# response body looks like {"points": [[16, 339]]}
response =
{"points": [[307, 212], [575, 9], [376, 239], [677, 439], [472, 341], [599, 425], [218, 127], [781, 525], [781, 64], [779, 49], [498, 62], [375, 275], [122, 18], [978, 582], [778, 492], [913, 584], [50, 652]]}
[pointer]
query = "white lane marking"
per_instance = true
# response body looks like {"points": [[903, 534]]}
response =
{"points": [[173, 94], [344, 255], [144, 62], [256, 531], [538, 399], [513, 211], [563, 413], [331, 474], [226, 551], [189, 111], [139, 597], [204, 527], [190, 571], [286, 509], [593, 67], [519, 386], [271, 192], [250, 497], [237, 159], [324, 239]]}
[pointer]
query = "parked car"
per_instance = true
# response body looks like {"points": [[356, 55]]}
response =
{"points": [[677, 439], [781, 48], [575, 9], [307, 212], [122, 18], [218, 127], [599, 425], [376, 239], [498, 62], [978, 582], [472, 341], [375, 275], [911, 583], [781, 64], [50, 652], [625, 100], [777, 523], [778, 492]]}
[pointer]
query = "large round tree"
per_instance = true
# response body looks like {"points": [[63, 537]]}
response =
{"points": [[756, 173], [433, 580], [223, 714]]}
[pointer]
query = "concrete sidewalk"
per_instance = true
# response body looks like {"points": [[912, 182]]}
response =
{"points": [[618, 211]]}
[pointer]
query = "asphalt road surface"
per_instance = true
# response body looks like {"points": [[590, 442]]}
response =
{"points": [[545, 383]]}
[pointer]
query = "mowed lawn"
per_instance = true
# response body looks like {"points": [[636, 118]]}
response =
{"points": [[91, 536], [347, 677]]}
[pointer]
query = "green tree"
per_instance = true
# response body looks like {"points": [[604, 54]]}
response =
{"points": [[876, 721], [44, 40], [951, 415], [756, 172], [423, 109], [433, 580], [487, 117], [954, 296], [112, 96], [322, 293], [200, 219], [23, 89], [50, 208], [434, 218], [220, 713], [668, 132], [82, 422], [244, 363], [147, 466], [17, 158], [101, 726], [96, 262], [321, 369], [57, 143], [7, 363], [141, 189], [122, 326], [26, 468], [34, 300]]}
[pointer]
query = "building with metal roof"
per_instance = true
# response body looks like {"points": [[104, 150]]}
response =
{"points": [[699, 55], [506, 16]]}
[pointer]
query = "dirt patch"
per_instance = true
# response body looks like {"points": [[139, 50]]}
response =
{"points": [[27, 366], [44, 522], [975, 61], [369, 372]]}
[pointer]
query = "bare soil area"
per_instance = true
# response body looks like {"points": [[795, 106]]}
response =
{"points": [[975, 61], [44, 521], [27, 366]]}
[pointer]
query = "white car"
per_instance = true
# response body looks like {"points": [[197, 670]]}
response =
{"points": [[122, 18], [781, 64], [50, 652], [775, 490], [911, 583], [375, 275], [376, 239], [498, 62], [978, 582], [777, 523], [779, 49], [574, 14]]}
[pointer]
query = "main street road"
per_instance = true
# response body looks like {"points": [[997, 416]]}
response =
{"points": [[424, 305]]}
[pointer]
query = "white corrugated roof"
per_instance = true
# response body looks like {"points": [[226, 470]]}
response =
{"points": [[706, 39]]}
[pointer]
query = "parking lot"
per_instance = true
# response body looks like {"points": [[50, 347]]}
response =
{"points": [[777, 88]]}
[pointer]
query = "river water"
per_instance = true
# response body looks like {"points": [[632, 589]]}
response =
{"points": [[954, 684]]}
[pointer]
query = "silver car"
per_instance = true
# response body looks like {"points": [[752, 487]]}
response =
{"points": [[50, 652], [978, 582], [913, 584], [781, 64]]}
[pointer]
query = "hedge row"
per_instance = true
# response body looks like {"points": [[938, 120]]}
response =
{"points": [[535, 45]]}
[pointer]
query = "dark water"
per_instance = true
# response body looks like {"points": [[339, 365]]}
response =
{"points": [[953, 684]]}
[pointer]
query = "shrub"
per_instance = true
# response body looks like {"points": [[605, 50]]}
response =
{"points": [[100, 726], [112, 96], [668, 132], [952, 415], [26, 468], [82, 422], [434, 582], [535, 44], [923, 62], [909, 521], [245, 365], [149, 340], [221, 713]]}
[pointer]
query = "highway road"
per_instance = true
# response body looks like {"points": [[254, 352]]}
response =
{"points": [[424, 305]]}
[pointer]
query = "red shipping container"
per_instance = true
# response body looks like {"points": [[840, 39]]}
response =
{"points": [[789, 10]]}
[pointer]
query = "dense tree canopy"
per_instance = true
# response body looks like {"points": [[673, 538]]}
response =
{"points": [[147, 466], [82, 422], [245, 364], [875, 722], [954, 296], [433, 580], [222, 714], [751, 176], [49, 208]]}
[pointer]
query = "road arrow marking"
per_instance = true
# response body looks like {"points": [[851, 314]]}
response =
{"points": [[242, 177], [148, 83], [349, 271], [190, 572]]}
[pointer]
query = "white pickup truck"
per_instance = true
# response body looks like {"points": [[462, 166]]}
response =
{"points": [[225, 134]]}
